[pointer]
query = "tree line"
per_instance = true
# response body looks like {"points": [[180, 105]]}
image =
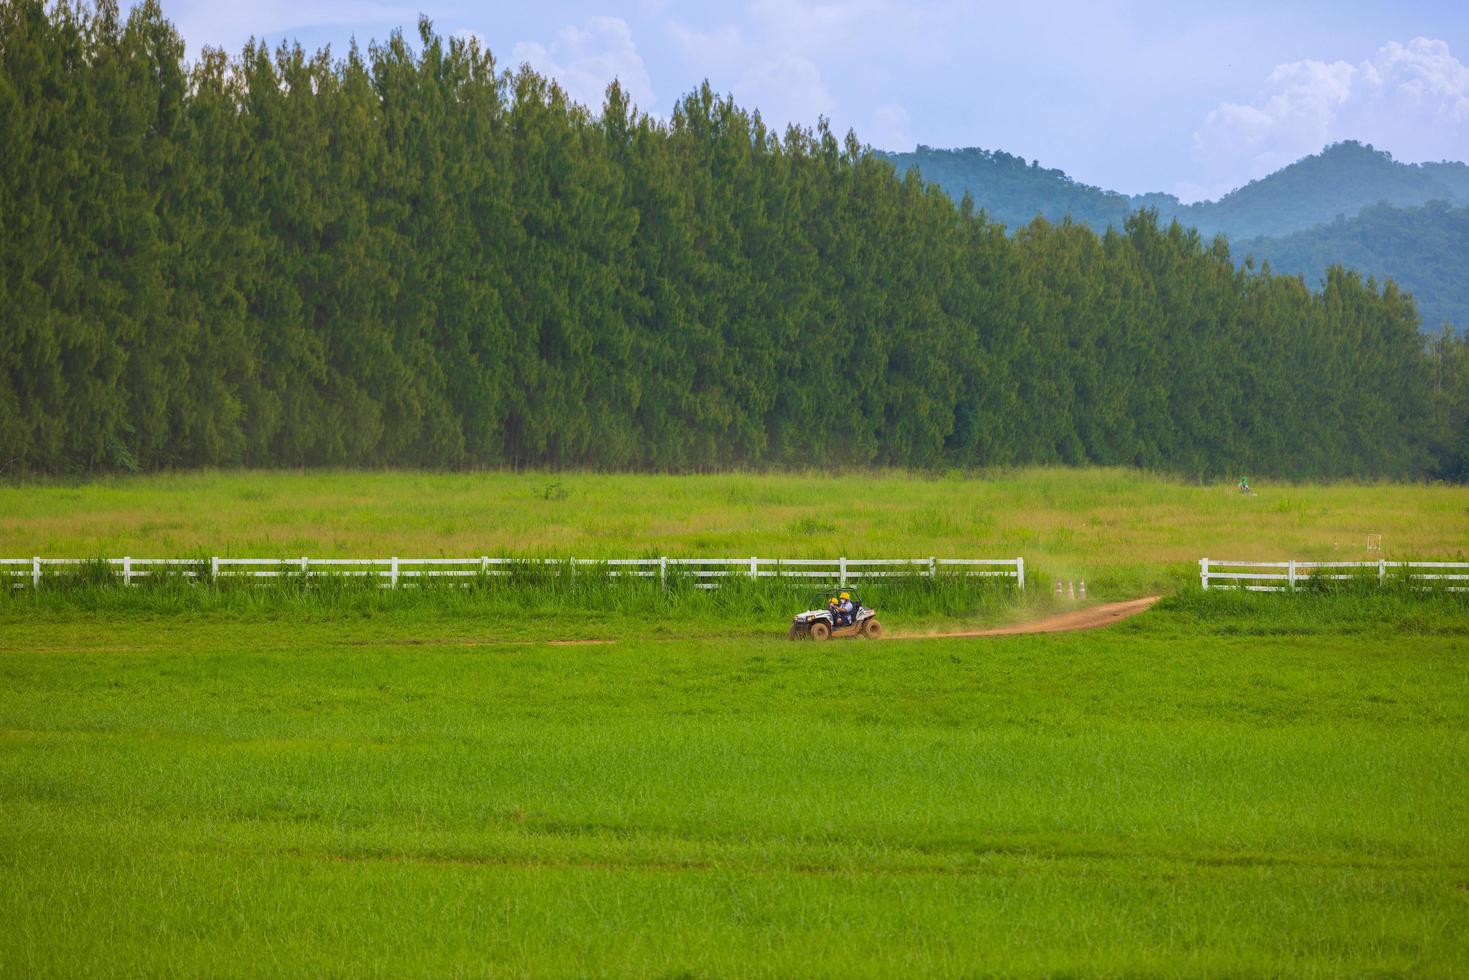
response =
{"points": [[412, 256], [1424, 249]]}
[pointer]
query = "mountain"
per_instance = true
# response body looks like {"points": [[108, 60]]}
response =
{"points": [[1340, 180], [1350, 204], [1012, 191], [1453, 175], [1425, 249]]}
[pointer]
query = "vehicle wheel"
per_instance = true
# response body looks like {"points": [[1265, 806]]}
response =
{"points": [[820, 631], [872, 629], [796, 633]]}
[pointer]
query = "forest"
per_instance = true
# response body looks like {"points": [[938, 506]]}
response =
{"points": [[411, 255], [1424, 249], [1351, 205]]}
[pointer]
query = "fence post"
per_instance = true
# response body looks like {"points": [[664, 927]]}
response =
{"points": [[1381, 571], [663, 571], [754, 567], [1290, 574], [842, 568], [305, 569], [484, 565], [1204, 574], [36, 572], [932, 566], [214, 568], [393, 575], [127, 571], [1020, 573]]}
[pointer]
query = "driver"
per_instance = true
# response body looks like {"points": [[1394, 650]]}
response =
{"points": [[846, 609]]}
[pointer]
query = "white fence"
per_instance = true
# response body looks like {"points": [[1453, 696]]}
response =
{"points": [[1283, 576], [391, 572]]}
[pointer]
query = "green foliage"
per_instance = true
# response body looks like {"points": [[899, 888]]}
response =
{"points": [[1425, 250], [1449, 355], [413, 257]]}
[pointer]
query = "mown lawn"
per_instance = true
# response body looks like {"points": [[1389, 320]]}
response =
{"points": [[1225, 785]]}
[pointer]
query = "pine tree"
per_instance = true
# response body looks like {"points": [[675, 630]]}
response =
{"points": [[413, 257]]}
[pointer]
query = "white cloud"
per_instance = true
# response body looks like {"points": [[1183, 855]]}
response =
{"points": [[772, 74], [709, 51], [801, 26], [230, 25], [1412, 98], [797, 60], [1423, 73], [786, 89], [1293, 119], [586, 59]]}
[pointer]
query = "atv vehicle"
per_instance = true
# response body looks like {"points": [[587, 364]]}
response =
{"points": [[819, 623]]}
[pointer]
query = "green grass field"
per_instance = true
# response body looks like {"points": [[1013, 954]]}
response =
{"points": [[1117, 527], [431, 784]]}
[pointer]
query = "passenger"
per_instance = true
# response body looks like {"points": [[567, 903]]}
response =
{"points": [[846, 609]]}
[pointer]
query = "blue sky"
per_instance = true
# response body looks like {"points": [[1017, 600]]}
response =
{"points": [[1194, 99]]}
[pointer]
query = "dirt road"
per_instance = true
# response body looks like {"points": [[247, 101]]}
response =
{"points": [[1089, 618]]}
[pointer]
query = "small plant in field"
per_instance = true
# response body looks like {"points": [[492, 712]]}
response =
{"points": [[812, 525], [555, 491]]}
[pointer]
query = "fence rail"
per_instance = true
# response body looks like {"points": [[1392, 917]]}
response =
{"points": [[1285, 576], [392, 572]]}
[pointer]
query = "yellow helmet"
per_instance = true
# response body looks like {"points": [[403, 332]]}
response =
{"points": [[846, 595], [832, 601]]}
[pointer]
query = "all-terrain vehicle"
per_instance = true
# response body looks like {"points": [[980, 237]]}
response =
{"points": [[820, 623]]}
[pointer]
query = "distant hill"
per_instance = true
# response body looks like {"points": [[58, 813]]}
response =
{"points": [[1342, 179], [1012, 191], [1425, 249], [1350, 203], [1454, 176]]}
